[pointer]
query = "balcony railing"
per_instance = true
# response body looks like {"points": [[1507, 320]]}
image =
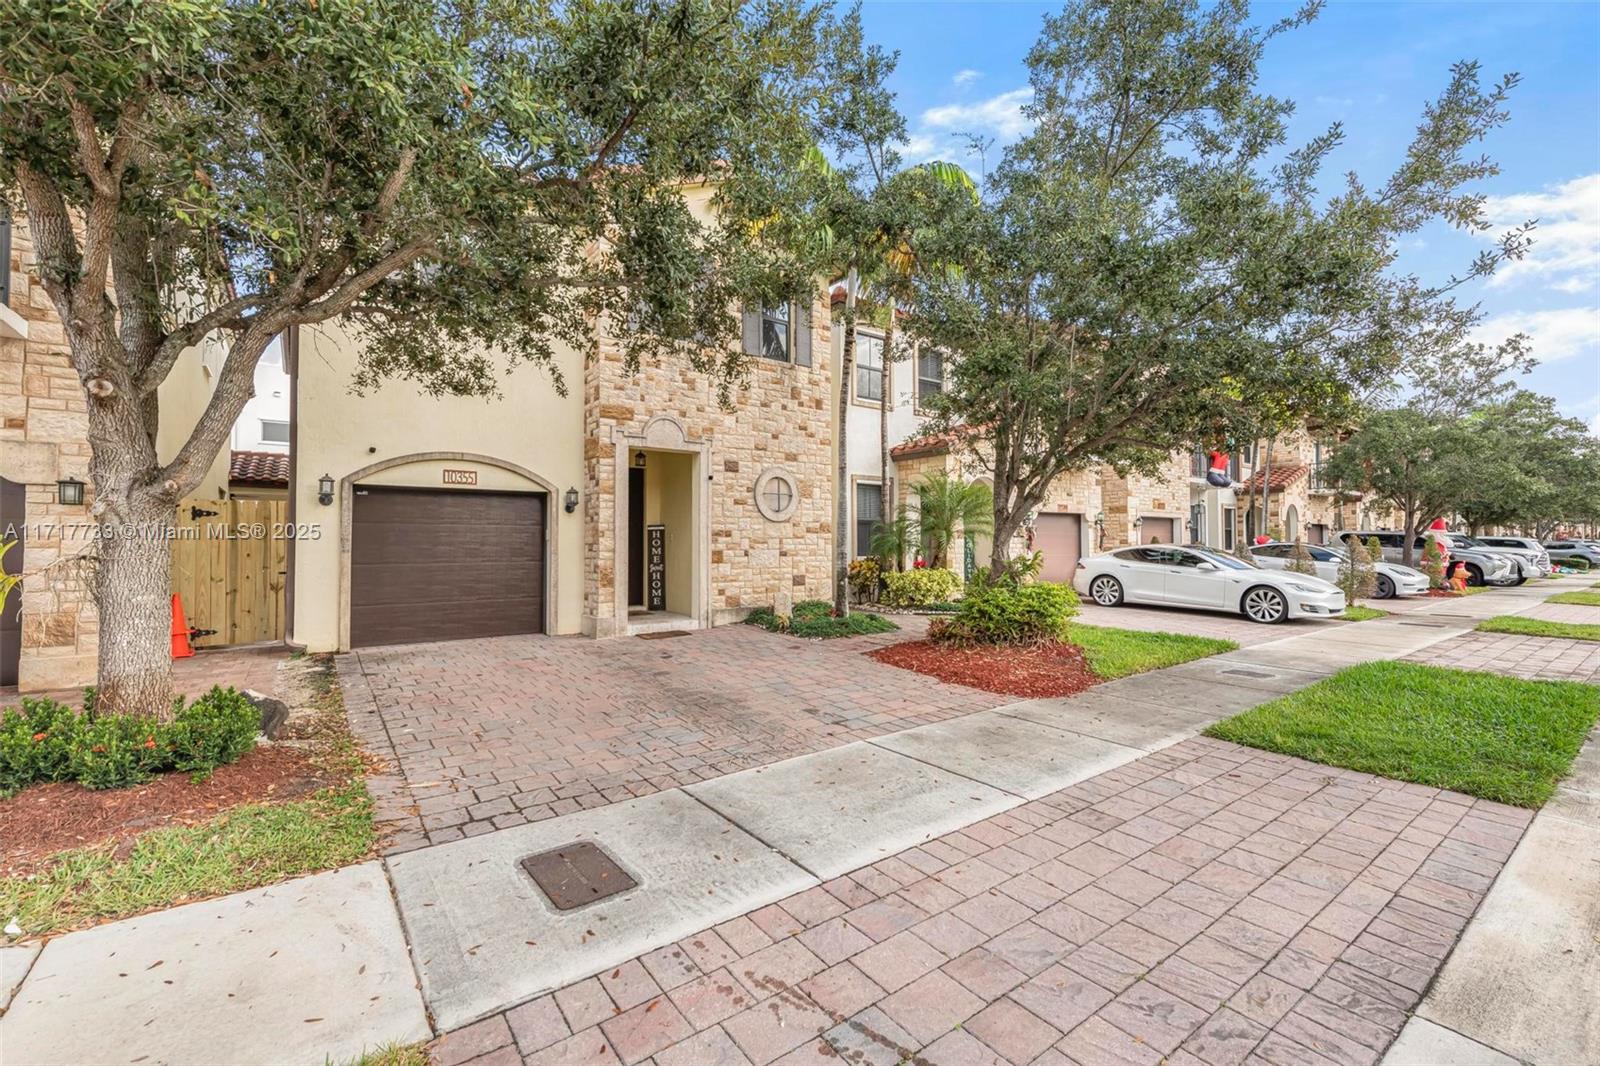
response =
{"points": [[1320, 482]]}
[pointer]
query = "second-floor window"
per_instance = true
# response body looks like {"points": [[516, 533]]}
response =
{"points": [[930, 374], [274, 432], [780, 332], [869, 368]]}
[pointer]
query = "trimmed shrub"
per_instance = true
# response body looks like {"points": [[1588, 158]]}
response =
{"points": [[1300, 561], [1433, 563], [118, 751], [214, 730], [1008, 613], [1358, 577], [920, 587], [865, 575], [815, 618]]}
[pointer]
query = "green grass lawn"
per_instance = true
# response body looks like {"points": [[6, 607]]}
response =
{"points": [[1534, 627], [1583, 597], [1358, 613], [814, 618], [244, 847], [1114, 653], [1496, 737]]}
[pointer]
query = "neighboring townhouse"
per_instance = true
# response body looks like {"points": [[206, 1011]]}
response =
{"points": [[633, 503], [49, 629]]}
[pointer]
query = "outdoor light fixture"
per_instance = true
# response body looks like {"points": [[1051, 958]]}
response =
{"points": [[1099, 518], [69, 492], [1138, 520], [325, 489], [572, 500], [638, 459]]}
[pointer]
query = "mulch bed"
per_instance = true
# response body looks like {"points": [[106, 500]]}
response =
{"points": [[1047, 670], [42, 820]]}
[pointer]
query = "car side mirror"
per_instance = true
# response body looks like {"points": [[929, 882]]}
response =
{"points": [[1208, 566]]}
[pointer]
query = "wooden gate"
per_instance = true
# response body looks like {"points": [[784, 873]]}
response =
{"points": [[230, 561]]}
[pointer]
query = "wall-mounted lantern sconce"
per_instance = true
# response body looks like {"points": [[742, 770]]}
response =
{"points": [[572, 500], [69, 492], [325, 489], [638, 459], [1138, 520]]}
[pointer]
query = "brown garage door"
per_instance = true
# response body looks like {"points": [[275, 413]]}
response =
{"points": [[1158, 531], [445, 565], [1057, 536]]}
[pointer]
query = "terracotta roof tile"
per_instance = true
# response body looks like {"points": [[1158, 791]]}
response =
{"points": [[259, 468], [1281, 477]]}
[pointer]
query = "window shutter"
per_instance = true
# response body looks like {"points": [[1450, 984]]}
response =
{"points": [[750, 329], [801, 317]]}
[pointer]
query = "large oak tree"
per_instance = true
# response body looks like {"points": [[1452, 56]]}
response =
{"points": [[470, 183], [1157, 268]]}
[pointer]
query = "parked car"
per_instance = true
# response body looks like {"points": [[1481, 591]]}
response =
{"points": [[1484, 567], [1197, 577], [1525, 564], [1522, 548], [1392, 578], [1561, 550]]}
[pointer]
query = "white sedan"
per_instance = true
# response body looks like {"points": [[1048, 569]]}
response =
{"points": [[1195, 577], [1393, 579]]}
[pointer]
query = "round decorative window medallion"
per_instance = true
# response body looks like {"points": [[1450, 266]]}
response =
{"points": [[777, 495]]}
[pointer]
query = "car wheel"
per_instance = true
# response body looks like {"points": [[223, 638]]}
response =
{"points": [[1106, 591], [1264, 604], [1522, 579], [1474, 575], [1385, 588]]}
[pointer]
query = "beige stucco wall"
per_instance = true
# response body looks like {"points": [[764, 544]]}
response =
{"points": [[183, 398], [339, 433]]}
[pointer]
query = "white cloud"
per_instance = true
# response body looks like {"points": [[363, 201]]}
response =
{"points": [[1001, 115], [966, 77], [920, 147], [1554, 335], [1594, 426], [1566, 242]]}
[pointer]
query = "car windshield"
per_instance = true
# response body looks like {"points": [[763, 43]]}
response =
{"points": [[1461, 540], [1229, 562]]}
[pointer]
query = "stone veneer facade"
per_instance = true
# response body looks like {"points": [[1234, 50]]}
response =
{"points": [[1162, 495], [782, 417], [43, 438]]}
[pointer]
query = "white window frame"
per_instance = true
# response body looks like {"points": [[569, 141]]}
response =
{"points": [[265, 422], [882, 370]]}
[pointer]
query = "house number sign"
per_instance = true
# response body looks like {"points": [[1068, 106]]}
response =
{"points": [[460, 477], [655, 568]]}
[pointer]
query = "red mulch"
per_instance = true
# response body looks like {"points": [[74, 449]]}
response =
{"points": [[42, 820], [1444, 594], [1047, 670]]}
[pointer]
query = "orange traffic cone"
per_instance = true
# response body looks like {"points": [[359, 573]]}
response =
{"points": [[181, 649]]}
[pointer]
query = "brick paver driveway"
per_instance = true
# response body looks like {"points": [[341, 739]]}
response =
{"points": [[1204, 904], [495, 733]]}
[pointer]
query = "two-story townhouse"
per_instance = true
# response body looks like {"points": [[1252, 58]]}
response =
{"points": [[635, 502], [49, 629]]}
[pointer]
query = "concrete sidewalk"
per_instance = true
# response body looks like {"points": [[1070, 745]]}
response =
{"points": [[482, 938]]}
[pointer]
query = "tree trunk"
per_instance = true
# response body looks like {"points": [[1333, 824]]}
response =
{"points": [[1408, 548], [133, 590], [842, 501], [1266, 492]]}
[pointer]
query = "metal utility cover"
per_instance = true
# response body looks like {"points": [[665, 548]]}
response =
{"points": [[1247, 673], [576, 875]]}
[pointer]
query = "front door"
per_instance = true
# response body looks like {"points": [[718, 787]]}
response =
{"points": [[13, 517], [635, 537]]}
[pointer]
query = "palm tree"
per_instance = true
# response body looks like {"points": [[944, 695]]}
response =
{"points": [[895, 539], [945, 504]]}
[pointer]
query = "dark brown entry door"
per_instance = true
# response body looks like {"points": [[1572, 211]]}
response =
{"points": [[635, 537], [430, 565], [13, 516], [1058, 538]]}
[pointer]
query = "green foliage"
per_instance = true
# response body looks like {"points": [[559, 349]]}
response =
{"points": [[895, 540], [1113, 653], [946, 505], [7, 581], [1538, 627], [1375, 549], [865, 574], [1582, 598], [1358, 574], [1500, 738], [48, 741], [920, 587], [1007, 613], [1300, 561], [214, 730], [1020, 569], [815, 619], [1433, 563], [1358, 613], [1124, 288]]}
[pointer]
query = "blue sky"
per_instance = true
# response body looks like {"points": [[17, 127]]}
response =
{"points": [[1372, 66]]}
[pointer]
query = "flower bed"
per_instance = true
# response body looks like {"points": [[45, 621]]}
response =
{"points": [[1042, 670]]}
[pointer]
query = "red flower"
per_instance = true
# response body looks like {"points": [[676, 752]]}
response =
{"points": [[150, 742], [39, 736], [99, 749]]}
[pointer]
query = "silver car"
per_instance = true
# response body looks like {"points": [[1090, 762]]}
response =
{"points": [[1392, 578], [1484, 567], [1529, 562], [1563, 550]]}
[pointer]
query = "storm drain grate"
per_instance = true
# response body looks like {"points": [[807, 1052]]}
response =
{"points": [[664, 634], [1427, 625], [1247, 673], [576, 875]]}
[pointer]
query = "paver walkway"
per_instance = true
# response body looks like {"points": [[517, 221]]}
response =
{"points": [[1208, 903], [502, 732], [251, 666], [1531, 658]]}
